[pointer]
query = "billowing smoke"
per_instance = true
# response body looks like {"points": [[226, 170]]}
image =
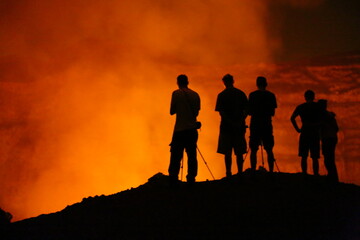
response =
{"points": [[85, 89]]}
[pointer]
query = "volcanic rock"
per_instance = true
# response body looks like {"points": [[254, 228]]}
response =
{"points": [[251, 206]]}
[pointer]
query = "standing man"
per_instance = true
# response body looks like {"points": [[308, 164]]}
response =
{"points": [[185, 103], [309, 113], [328, 136], [262, 104], [232, 104]]}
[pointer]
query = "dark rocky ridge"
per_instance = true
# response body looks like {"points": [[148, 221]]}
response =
{"points": [[265, 206]]}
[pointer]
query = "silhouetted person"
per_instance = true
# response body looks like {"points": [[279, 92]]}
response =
{"points": [[185, 103], [328, 136], [262, 104], [232, 104], [309, 113]]}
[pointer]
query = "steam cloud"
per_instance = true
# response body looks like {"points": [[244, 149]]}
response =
{"points": [[85, 89]]}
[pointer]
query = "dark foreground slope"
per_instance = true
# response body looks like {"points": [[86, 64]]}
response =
{"points": [[279, 206]]}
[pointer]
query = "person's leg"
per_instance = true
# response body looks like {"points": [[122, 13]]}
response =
{"points": [[254, 143], [330, 165], [191, 153], [225, 148], [254, 147], [333, 175], [175, 162], [240, 148], [177, 151], [192, 164], [271, 159], [228, 163], [240, 162], [304, 165], [314, 147], [328, 150], [303, 151], [268, 142], [315, 166], [326, 153]]}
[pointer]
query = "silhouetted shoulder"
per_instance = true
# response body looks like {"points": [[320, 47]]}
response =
{"points": [[308, 109], [232, 91], [263, 95], [185, 93], [262, 103], [310, 114], [230, 99]]}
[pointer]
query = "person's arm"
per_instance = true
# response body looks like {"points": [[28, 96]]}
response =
{"points": [[250, 105], [173, 105], [293, 120], [197, 105], [219, 108], [274, 105], [336, 126], [246, 106]]}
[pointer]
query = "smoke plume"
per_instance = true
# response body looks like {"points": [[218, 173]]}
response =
{"points": [[85, 89]]}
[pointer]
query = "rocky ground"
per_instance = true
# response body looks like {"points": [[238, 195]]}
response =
{"points": [[261, 206]]}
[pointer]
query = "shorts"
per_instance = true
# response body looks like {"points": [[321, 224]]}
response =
{"points": [[232, 138], [309, 141], [261, 134], [186, 139]]}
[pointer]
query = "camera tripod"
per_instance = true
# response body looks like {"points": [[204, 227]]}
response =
{"points": [[182, 164], [262, 158]]}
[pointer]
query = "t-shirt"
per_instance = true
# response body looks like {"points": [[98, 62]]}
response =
{"points": [[233, 103], [309, 113], [262, 104], [185, 103]]}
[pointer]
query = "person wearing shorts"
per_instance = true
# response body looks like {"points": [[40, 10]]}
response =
{"points": [[309, 140], [232, 104], [262, 104]]}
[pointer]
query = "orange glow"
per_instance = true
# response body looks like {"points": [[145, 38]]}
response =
{"points": [[86, 86]]}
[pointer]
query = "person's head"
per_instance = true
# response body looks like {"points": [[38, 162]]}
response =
{"points": [[182, 81], [309, 95], [228, 80], [322, 104], [261, 82]]}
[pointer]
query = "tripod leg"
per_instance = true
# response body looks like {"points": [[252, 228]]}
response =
{"points": [[253, 159], [182, 168], [240, 163], [262, 154], [277, 167], [205, 162], [271, 159]]}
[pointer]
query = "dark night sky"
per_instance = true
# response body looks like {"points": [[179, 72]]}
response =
{"points": [[329, 28]]}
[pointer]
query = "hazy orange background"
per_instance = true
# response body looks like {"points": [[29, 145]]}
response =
{"points": [[85, 92]]}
